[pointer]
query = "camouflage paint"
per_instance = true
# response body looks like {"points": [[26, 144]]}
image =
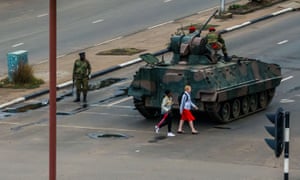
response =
{"points": [[225, 90]]}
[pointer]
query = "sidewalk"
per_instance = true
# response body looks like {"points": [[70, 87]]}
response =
{"points": [[151, 39]]}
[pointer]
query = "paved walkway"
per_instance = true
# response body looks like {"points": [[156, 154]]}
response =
{"points": [[151, 39]]}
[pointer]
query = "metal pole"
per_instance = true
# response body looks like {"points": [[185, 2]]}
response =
{"points": [[286, 145], [222, 7], [52, 77]]}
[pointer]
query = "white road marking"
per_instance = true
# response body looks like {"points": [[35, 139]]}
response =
{"points": [[287, 78], [10, 123], [97, 21], [46, 60], [108, 114], [116, 106], [41, 62], [283, 42], [109, 41], [287, 100], [169, 22], [42, 15], [82, 127], [60, 56], [16, 45], [125, 107], [166, 1], [119, 101], [200, 12], [101, 128]]}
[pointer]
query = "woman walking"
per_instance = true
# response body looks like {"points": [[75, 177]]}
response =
{"points": [[185, 110]]}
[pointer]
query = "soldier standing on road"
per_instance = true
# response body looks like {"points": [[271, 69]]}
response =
{"points": [[81, 75], [216, 42]]}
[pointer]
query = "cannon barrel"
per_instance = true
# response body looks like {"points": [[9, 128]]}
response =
{"points": [[207, 21]]}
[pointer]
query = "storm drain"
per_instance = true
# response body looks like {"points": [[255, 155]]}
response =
{"points": [[104, 83], [4, 115], [107, 135], [25, 107]]}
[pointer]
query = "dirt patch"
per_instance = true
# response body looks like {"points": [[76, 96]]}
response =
{"points": [[121, 51]]}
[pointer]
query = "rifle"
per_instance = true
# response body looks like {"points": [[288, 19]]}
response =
{"points": [[207, 21]]}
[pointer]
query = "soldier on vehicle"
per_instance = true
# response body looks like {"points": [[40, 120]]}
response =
{"points": [[215, 42], [81, 75]]}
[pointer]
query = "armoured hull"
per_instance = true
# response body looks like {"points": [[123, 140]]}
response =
{"points": [[227, 88], [224, 90]]}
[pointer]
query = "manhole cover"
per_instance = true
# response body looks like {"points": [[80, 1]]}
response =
{"points": [[107, 135], [4, 115], [64, 113]]}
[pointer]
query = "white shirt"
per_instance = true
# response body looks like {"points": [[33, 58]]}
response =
{"points": [[166, 104]]}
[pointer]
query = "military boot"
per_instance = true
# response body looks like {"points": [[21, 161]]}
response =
{"points": [[77, 97], [84, 98], [226, 58]]}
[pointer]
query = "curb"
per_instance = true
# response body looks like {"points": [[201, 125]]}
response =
{"points": [[257, 20], [137, 60]]}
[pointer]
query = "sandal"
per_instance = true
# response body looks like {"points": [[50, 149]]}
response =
{"points": [[180, 132]]}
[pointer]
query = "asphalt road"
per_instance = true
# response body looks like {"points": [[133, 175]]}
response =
{"points": [[220, 152], [82, 24]]}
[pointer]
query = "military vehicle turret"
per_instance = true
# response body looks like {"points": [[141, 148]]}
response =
{"points": [[226, 90]]}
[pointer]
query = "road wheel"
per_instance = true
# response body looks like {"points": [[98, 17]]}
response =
{"points": [[245, 105], [236, 108], [253, 102], [263, 99], [148, 113], [225, 112]]}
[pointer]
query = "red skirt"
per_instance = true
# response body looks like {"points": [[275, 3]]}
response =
{"points": [[187, 115]]}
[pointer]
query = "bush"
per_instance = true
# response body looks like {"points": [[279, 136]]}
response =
{"points": [[237, 6], [22, 78], [23, 74]]}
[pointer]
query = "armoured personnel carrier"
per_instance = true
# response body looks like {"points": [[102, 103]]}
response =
{"points": [[226, 90]]}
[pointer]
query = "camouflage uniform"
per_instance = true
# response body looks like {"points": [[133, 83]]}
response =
{"points": [[215, 39], [81, 73]]}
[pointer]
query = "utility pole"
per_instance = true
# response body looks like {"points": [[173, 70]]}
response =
{"points": [[52, 77], [222, 7]]}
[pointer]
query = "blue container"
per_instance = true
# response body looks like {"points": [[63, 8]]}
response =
{"points": [[13, 60]]}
